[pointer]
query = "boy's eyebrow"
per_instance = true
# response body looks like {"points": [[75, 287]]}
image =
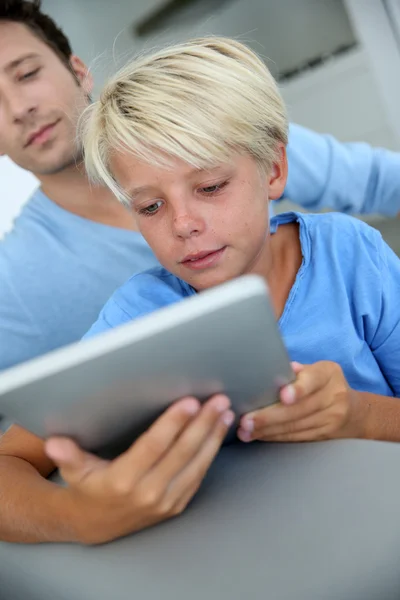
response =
{"points": [[18, 61], [133, 192]]}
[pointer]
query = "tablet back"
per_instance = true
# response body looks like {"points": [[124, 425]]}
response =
{"points": [[109, 388]]}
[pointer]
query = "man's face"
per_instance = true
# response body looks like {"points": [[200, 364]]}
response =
{"points": [[40, 102]]}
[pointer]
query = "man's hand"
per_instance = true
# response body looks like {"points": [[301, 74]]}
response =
{"points": [[319, 405], [154, 480]]}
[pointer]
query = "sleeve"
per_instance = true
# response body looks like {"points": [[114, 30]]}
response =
{"points": [[112, 315], [347, 177], [385, 343], [141, 295], [135, 298]]}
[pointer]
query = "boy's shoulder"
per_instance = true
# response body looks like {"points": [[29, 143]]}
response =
{"points": [[339, 223], [341, 234], [158, 276], [142, 294], [149, 290]]}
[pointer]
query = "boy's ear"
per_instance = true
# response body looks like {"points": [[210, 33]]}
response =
{"points": [[82, 74], [277, 176]]}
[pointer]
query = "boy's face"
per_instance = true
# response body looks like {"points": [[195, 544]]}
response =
{"points": [[40, 102], [206, 227]]}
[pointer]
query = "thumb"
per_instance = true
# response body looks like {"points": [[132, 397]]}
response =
{"points": [[74, 463]]}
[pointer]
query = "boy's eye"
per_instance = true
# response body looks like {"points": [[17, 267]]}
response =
{"points": [[151, 209], [213, 189]]}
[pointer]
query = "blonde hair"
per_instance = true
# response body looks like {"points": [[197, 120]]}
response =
{"points": [[200, 101]]}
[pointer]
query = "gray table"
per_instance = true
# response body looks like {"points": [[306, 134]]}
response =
{"points": [[272, 522]]}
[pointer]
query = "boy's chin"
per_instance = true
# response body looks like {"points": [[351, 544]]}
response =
{"points": [[203, 281]]}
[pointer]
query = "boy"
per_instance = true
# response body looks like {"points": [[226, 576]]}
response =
{"points": [[193, 139]]}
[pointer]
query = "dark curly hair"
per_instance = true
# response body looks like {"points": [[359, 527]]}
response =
{"points": [[29, 14]]}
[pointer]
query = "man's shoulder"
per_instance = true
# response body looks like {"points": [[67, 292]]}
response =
{"points": [[28, 230], [26, 246]]}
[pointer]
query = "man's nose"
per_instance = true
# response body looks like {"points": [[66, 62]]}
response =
{"points": [[21, 107]]}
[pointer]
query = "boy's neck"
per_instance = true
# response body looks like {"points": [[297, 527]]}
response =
{"points": [[281, 264], [71, 190]]}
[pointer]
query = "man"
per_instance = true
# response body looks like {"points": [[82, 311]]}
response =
{"points": [[73, 245]]}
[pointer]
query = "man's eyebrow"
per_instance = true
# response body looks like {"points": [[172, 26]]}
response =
{"points": [[18, 61]]}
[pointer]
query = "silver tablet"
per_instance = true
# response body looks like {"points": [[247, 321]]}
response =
{"points": [[106, 390]]}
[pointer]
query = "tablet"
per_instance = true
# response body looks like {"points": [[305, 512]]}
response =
{"points": [[104, 391]]}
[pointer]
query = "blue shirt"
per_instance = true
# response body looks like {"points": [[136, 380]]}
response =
{"points": [[344, 305], [347, 177], [57, 269]]}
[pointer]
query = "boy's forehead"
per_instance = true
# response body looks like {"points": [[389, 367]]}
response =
{"points": [[137, 176]]}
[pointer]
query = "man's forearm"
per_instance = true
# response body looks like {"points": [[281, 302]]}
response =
{"points": [[379, 416], [32, 509]]}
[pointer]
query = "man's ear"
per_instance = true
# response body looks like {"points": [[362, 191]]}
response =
{"points": [[82, 74], [277, 176]]}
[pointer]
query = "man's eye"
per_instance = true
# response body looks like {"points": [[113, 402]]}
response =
{"points": [[151, 209], [29, 75]]}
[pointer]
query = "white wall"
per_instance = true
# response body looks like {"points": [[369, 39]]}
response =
{"points": [[341, 97], [16, 187], [286, 31], [100, 31]]}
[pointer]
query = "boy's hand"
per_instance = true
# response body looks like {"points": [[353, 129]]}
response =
{"points": [[154, 480], [319, 405]]}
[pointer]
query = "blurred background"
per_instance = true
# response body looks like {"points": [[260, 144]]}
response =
{"points": [[337, 61]]}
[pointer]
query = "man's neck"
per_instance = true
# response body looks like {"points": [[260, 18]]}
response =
{"points": [[71, 190]]}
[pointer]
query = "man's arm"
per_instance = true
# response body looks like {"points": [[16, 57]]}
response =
{"points": [[32, 509], [152, 481], [347, 177]]}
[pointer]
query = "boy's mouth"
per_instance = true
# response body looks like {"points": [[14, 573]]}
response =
{"points": [[203, 260]]}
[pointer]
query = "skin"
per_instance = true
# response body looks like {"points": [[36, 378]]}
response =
{"points": [[38, 89]]}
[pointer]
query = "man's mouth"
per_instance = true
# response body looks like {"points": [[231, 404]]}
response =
{"points": [[42, 135], [203, 260]]}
